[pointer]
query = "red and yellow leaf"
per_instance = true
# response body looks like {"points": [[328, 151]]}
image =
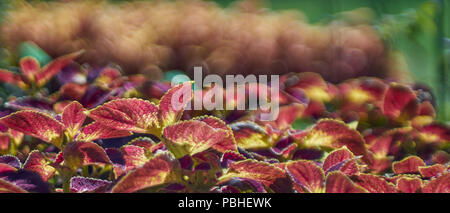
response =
{"points": [[408, 165], [374, 184], [191, 137], [55, 66], [37, 163], [158, 170], [96, 131], [338, 182], [77, 154], [73, 118], [226, 144], [329, 133], [409, 184], [170, 111], [336, 159], [249, 135], [132, 114], [308, 176], [29, 67], [254, 170], [431, 171], [35, 124], [440, 184], [400, 102]]}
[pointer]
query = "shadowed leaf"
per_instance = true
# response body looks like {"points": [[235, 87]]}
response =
{"points": [[37, 163], [82, 185], [307, 175], [337, 182], [158, 170], [77, 154]]}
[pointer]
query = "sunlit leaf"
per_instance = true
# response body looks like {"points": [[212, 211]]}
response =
{"points": [[134, 115], [408, 165], [35, 124], [191, 137]]}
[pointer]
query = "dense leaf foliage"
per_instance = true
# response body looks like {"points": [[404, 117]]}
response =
{"points": [[114, 133]]}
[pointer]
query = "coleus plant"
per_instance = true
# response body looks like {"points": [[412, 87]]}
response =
{"points": [[363, 135], [32, 76]]}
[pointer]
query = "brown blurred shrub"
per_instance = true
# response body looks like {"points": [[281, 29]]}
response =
{"points": [[147, 37]]}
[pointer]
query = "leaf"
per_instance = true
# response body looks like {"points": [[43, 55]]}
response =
{"points": [[73, 91], [381, 145], [27, 180], [337, 182], [230, 157], [158, 170], [249, 135], [4, 142], [409, 185], [35, 124], [359, 91], [286, 116], [147, 143], [435, 133], [37, 163], [55, 66], [127, 158], [302, 123], [11, 160], [82, 184], [441, 157], [96, 131], [29, 67], [73, 118], [31, 103], [374, 184], [8, 187], [431, 171], [170, 113], [6, 168], [336, 158], [408, 165], [307, 175], [77, 154], [191, 137], [265, 173], [313, 85], [440, 184], [226, 144], [10, 77], [131, 114], [329, 133], [400, 102]]}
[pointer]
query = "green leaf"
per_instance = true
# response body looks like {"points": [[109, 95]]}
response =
{"points": [[302, 123]]}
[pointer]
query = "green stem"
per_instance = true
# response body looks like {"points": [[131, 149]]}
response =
{"points": [[66, 175]]}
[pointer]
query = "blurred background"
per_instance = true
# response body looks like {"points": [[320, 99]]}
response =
{"points": [[418, 30]]}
